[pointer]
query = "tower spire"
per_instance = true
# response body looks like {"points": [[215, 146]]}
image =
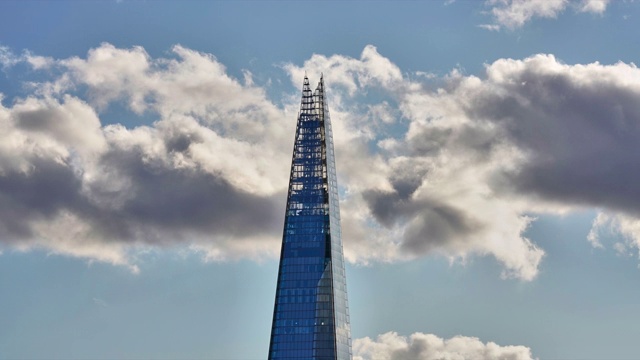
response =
{"points": [[311, 313]]}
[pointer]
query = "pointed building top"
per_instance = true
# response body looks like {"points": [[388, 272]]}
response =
{"points": [[320, 86], [315, 326], [305, 83]]}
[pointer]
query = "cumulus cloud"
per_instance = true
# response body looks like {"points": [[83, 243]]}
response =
{"points": [[607, 224], [577, 127], [419, 346], [8, 59], [457, 166], [482, 155], [513, 14], [210, 172], [418, 192], [551, 137]]}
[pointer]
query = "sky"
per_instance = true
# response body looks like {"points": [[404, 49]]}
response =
{"points": [[486, 154]]}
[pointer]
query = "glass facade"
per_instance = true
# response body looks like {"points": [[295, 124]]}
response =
{"points": [[311, 314]]}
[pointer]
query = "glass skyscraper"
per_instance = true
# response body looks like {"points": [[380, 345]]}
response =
{"points": [[311, 314]]}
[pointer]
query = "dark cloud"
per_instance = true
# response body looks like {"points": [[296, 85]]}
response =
{"points": [[438, 226], [428, 224], [580, 131], [431, 142], [386, 207], [389, 207], [36, 195], [161, 199], [577, 128], [139, 196], [186, 199]]}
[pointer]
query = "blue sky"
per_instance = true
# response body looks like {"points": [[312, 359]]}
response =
{"points": [[486, 153]]}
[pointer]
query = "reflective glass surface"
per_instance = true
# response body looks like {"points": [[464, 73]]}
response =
{"points": [[311, 314]]}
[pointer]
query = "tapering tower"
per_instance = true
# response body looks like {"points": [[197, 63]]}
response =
{"points": [[311, 314]]}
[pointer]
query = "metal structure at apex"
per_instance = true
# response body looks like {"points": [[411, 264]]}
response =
{"points": [[311, 314]]}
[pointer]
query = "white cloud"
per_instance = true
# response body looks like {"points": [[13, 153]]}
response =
{"points": [[480, 155], [490, 27], [370, 70], [538, 136], [419, 346], [417, 195], [38, 62], [515, 13], [459, 171], [7, 57], [594, 6], [210, 172], [624, 227]]}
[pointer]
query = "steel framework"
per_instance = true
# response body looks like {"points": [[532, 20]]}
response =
{"points": [[311, 313]]}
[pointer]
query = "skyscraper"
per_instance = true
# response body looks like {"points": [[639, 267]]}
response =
{"points": [[311, 314]]}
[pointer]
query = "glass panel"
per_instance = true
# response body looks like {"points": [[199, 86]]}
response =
{"points": [[311, 317]]}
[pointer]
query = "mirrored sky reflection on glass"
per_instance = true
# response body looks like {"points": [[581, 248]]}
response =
{"points": [[486, 157]]}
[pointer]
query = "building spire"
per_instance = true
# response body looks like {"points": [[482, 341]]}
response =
{"points": [[311, 312], [306, 104]]}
